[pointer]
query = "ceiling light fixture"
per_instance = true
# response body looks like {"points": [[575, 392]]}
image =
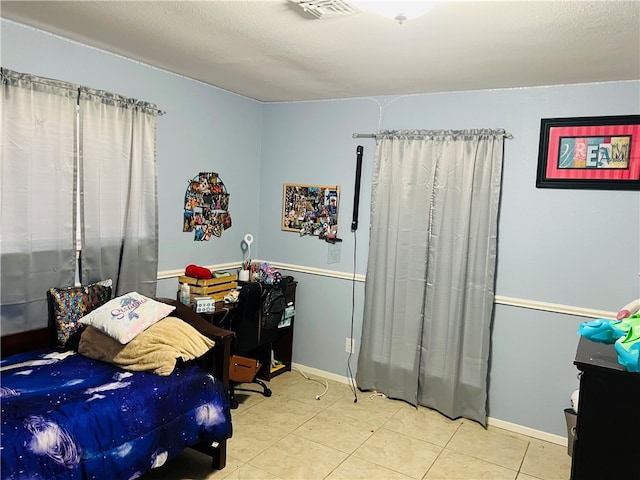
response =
{"points": [[321, 8], [398, 11]]}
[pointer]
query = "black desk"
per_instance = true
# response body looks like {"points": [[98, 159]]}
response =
{"points": [[282, 346], [607, 440]]}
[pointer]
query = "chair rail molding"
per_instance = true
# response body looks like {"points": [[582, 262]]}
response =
{"points": [[322, 272]]}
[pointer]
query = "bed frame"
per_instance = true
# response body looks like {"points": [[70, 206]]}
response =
{"points": [[217, 364]]}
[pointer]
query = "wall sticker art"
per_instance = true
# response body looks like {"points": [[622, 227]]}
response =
{"points": [[206, 207]]}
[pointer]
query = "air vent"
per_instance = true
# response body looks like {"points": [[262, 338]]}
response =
{"points": [[324, 8]]}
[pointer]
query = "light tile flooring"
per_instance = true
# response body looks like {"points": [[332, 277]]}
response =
{"points": [[291, 435]]}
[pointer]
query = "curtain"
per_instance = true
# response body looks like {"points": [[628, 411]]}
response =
{"points": [[37, 195], [109, 156], [118, 191], [431, 268]]}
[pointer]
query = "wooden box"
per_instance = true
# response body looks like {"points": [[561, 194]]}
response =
{"points": [[216, 288]]}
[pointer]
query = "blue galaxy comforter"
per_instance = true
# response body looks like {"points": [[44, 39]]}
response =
{"points": [[65, 416]]}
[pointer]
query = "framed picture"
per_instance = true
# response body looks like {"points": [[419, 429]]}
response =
{"points": [[590, 152], [310, 209]]}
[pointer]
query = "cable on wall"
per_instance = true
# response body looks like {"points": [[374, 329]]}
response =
{"points": [[354, 228], [352, 382]]}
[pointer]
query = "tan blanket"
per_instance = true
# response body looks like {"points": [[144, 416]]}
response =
{"points": [[155, 349]]}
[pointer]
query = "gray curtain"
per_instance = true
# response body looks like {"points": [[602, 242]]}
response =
{"points": [[430, 275], [119, 191], [38, 137], [42, 169]]}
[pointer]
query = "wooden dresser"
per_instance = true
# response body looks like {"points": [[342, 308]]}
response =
{"points": [[607, 437]]}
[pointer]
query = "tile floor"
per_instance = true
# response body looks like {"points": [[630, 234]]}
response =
{"points": [[291, 435]]}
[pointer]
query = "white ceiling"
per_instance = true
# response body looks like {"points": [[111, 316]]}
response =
{"points": [[273, 51]]}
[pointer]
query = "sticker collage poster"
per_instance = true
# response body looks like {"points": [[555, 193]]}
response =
{"points": [[206, 207]]}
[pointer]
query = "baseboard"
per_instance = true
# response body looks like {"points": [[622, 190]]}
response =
{"points": [[494, 422], [529, 432], [322, 373]]}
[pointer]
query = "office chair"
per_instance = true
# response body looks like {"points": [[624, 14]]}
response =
{"points": [[250, 338]]}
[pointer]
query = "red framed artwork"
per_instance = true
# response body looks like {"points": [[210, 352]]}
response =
{"points": [[590, 152]]}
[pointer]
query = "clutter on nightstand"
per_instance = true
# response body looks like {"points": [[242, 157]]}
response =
{"points": [[197, 271], [205, 304], [232, 296], [288, 314], [185, 293], [276, 364], [265, 273], [244, 274]]}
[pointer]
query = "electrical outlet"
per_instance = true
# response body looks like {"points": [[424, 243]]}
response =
{"points": [[349, 345]]}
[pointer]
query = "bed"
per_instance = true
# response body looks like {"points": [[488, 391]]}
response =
{"points": [[68, 416]]}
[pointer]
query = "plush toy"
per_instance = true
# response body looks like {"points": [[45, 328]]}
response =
{"points": [[624, 333], [629, 309], [198, 272]]}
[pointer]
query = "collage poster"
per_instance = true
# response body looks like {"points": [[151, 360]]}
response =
{"points": [[206, 207], [311, 209]]}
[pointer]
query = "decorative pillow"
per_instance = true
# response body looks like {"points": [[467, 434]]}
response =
{"points": [[197, 271], [156, 349], [126, 316], [70, 304]]}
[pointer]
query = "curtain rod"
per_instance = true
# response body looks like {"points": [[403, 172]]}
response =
{"points": [[373, 135], [364, 135]]}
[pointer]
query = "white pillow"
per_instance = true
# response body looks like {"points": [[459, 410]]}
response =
{"points": [[126, 316]]}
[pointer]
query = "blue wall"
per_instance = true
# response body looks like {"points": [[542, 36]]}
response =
{"points": [[572, 247]]}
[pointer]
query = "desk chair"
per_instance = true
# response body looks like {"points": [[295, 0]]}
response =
{"points": [[250, 338]]}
